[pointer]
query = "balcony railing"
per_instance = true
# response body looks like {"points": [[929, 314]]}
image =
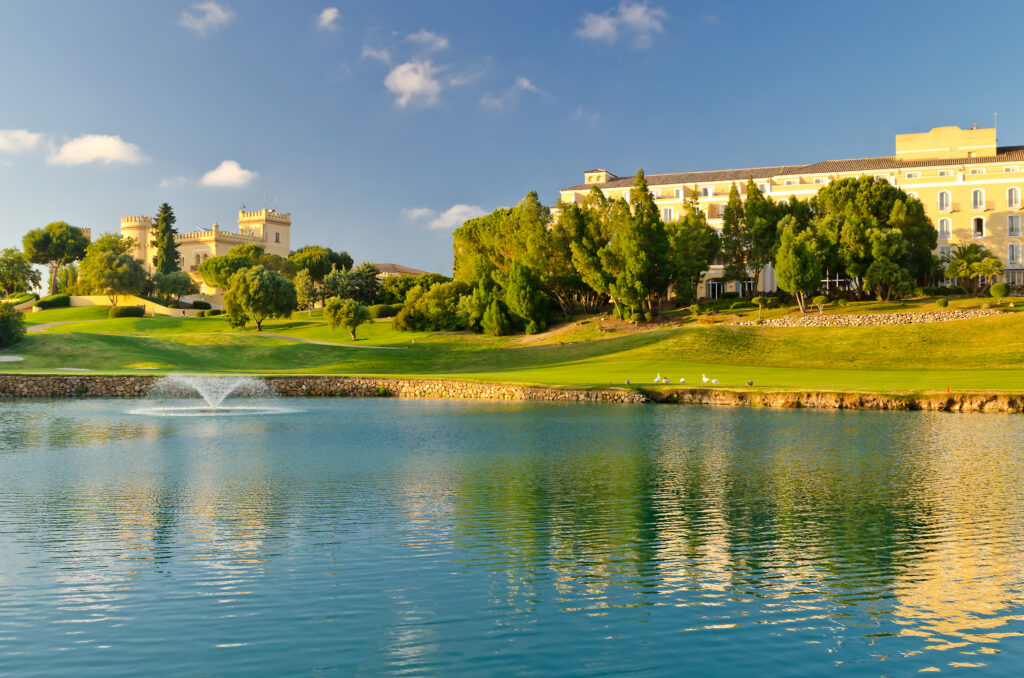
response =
{"points": [[950, 207], [983, 206]]}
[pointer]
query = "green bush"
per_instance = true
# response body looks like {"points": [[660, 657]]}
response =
{"points": [[214, 311], [842, 302], [942, 302], [205, 305], [637, 317], [126, 312], [54, 301], [694, 309], [999, 290], [820, 301], [648, 317], [729, 295], [12, 328], [20, 298], [201, 314], [384, 310], [939, 291], [742, 303]]}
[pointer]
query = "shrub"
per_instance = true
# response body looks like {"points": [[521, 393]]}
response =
{"points": [[648, 317], [999, 290], [126, 312], [742, 303], [842, 302], [637, 317], [384, 310], [694, 309], [213, 312], [496, 321], [54, 301], [820, 302], [205, 305], [201, 314], [942, 302], [729, 295], [939, 291], [12, 329]]}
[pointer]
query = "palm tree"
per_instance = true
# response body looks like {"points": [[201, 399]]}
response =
{"points": [[972, 265]]}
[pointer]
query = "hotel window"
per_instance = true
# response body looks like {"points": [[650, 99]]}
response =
{"points": [[945, 229], [764, 188], [978, 199], [666, 214], [945, 173], [820, 180], [1013, 278], [656, 192], [945, 251], [1013, 225], [977, 170], [978, 227], [679, 194], [791, 182], [625, 195], [277, 236], [1013, 197], [1010, 169], [913, 175], [883, 177], [944, 204], [1013, 253], [707, 191]]}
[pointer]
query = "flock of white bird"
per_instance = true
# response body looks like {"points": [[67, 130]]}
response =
{"points": [[705, 378]]}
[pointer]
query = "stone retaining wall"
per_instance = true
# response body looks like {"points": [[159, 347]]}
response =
{"points": [[866, 319], [961, 402]]}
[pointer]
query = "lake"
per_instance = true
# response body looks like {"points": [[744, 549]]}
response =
{"points": [[463, 538]]}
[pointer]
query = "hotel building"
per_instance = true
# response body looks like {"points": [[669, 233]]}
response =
{"points": [[970, 188]]}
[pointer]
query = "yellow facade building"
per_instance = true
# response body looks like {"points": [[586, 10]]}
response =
{"points": [[970, 187], [267, 228]]}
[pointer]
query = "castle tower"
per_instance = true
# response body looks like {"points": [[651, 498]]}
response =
{"points": [[270, 227], [137, 228]]}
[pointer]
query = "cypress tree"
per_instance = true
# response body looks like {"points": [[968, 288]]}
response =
{"points": [[166, 258]]}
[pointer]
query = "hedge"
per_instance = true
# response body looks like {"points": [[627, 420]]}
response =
{"points": [[384, 310], [55, 301], [126, 312], [205, 305], [939, 291]]}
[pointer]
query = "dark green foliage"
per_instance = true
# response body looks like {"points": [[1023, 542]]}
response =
{"points": [[939, 291], [198, 303], [692, 247], [16, 273], [217, 271], [735, 240], [434, 309], [942, 302], [637, 317], [394, 288], [12, 327], [258, 293], [474, 305], [126, 312], [495, 321], [797, 266], [166, 258], [109, 269], [367, 278], [54, 301], [347, 313], [742, 304], [524, 299], [174, 285], [384, 310], [319, 261], [55, 245]]}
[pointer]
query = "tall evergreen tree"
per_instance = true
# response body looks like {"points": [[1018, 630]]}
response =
{"points": [[761, 218], [735, 241], [166, 258]]}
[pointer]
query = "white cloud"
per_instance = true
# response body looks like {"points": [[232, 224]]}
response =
{"points": [[102, 148], [18, 140], [510, 95], [414, 83], [209, 16], [462, 79], [636, 19], [328, 19], [382, 55], [430, 41], [175, 181], [417, 213], [228, 174], [454, 216], [581, 114]]}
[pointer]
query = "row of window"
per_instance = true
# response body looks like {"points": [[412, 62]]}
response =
{"points": [[977, 199], [1013, 253], [978, 227]]}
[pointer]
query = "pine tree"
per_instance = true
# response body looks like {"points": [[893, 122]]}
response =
{"points": [[166, 258], [734, 239]]}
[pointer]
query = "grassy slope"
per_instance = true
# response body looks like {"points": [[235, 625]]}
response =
{"points": [[981, 354]]}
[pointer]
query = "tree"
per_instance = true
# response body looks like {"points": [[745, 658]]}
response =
{"points": [[761, 218], [342, 284], [760, 303], [589, 224], [394, 288], [217, 271], [166, 258], [12, 325], [319, 261], [971, 265], [259, 293], [306, 293], [368, 282], [798, 270], [347, 313], [258, 256], [885, 276], [55, 245], [999, 291], [67, 278], [107, 271], [16, 273], [735, 239], [175, 284], [693, 247], [820, 301], [495, 319], [523, 296], [435, 309]]}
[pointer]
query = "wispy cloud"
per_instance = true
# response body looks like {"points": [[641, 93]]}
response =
{"points": [[328, 19], [18, 140], [511, 94], [581, 114], [415, 83], [637, 20], [451, 218], [228, 174], [175, 181], [105, 149], [428, 40], [208, 16], [382, 55], [417, 213]]}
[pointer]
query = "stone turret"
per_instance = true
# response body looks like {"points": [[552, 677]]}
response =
{"points": [[270, 226], [137, 228]]}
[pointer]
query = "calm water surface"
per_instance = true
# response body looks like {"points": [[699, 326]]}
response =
{"points": [[464, 538]]}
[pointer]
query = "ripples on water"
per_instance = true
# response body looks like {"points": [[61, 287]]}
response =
{"points": [[404, 537]]}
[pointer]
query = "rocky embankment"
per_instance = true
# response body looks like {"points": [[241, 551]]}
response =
{"points": [[867, 319], [957, 402]]}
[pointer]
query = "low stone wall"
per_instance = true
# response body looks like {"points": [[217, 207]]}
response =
{"points": [[130, 386], [867, 319], [961, 402]]}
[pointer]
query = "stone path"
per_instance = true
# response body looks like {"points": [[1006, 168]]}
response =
{"points": [[328, 343], [45, 326]]}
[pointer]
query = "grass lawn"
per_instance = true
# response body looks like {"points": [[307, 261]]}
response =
{"points": [[982, 354]]}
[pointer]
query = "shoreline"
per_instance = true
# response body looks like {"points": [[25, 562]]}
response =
{"points": [[137, 386]]}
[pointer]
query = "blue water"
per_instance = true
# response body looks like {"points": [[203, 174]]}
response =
{"points": [[393, 537]]}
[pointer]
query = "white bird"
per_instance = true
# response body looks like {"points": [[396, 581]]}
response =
{"points": [[704, 377], [682, 380], [657, 379], [714, 381]]}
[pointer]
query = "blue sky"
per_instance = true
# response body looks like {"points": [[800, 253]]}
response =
{"points": [[380, 125]]}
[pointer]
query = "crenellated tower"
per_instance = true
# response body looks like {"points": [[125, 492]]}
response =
{"points": [[138, 229], [270, 226]]}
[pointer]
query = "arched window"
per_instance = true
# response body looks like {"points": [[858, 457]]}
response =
{"points": [[978, 227], [944, 204], [945, 229], [977, 199], [1013, 197]]}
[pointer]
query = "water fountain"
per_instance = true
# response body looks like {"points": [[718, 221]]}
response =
{"points": [[169, 397]]}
